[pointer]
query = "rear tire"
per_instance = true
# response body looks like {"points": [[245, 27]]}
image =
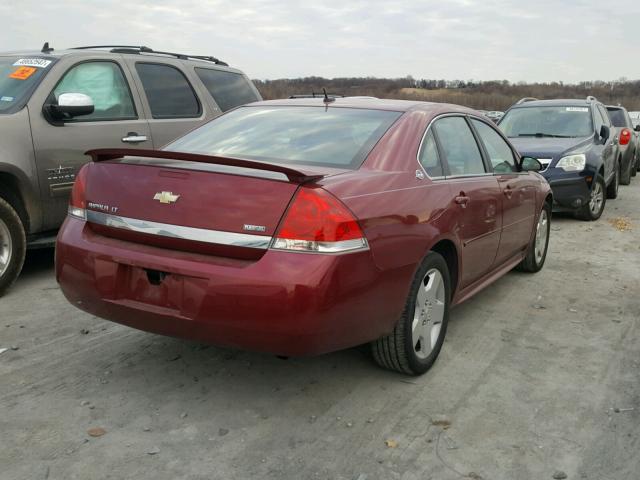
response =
{"points": [[593, 209], [636, 166], [13, 246], [417, 338], [625, 177], [537, 252], [612, 188]]}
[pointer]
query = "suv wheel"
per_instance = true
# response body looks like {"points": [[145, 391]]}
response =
{"points": [[636, 165], [537, 253], [416, 340], [594, 208], [612, 188], [13, 246]]}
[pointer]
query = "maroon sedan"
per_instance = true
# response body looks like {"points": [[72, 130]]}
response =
{"points": [[299, 227]]}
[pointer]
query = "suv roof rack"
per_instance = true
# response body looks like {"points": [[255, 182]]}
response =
{"points": [[591, 98], [525, 100], [138, 49]]}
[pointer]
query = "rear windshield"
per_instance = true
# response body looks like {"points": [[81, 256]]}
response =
{"points": [[556, 121], [228, 89], [618, 118], [19, 76], [335, 137]]}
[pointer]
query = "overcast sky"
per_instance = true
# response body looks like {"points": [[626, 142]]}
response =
{"points": [[544, 40]]}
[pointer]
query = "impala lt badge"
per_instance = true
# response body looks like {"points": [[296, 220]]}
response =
{"points": [[166, 197]]}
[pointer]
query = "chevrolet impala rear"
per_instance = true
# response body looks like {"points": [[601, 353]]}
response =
{"points": [[235, 243]]}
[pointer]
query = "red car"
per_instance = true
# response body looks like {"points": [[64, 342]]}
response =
{"points": [[305, 226]]}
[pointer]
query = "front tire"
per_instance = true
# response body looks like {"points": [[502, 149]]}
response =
{"points": [[417, 338], [13, 246], [592, 210], [537, 252]]}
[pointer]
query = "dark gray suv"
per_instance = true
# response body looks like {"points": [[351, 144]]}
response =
{"points": [[56, 105]]}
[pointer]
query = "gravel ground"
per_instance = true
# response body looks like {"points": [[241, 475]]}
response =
{"points": [[538, 379]]}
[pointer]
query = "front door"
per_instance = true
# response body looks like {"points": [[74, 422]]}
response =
{"points": [[476, 197], [117, 122], [518, 193]]}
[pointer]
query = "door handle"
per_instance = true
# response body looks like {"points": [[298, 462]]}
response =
{"points": [[462, 200], [133, 137], [508, 191]]}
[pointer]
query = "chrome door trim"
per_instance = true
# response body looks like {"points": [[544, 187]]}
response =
{"points": [[178, 231]]}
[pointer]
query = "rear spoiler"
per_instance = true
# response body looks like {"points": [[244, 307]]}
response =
{"points": [[104, 154]]}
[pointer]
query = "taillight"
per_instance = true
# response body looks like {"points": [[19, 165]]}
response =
{"points": [[318, 222], [625, 136], [78, 201]]}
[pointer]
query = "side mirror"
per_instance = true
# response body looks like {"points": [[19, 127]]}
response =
{"points": [[637, 128], [530, 164], [70, 105], [604, 133]]}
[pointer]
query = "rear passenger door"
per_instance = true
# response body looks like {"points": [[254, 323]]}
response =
{"points": [[174, 106], [476, 196], [518, 192]]}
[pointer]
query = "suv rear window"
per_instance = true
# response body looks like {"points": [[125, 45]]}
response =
{"points": [[18, 79], [618, 117], [228, 89], [168, 91], [551, 121], [335, 137]]}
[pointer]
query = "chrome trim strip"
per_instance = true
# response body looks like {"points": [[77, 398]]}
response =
{"points": [[178, 231]]}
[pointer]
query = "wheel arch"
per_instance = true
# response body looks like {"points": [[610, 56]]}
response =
{"points": [[448, 250], [14, 192]]}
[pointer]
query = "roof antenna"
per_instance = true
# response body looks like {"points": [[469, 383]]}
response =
{"points": [[327, 99], [46, 48]]}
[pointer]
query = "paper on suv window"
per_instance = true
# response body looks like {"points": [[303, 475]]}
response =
{"points": [[22, 73], [577, 109], [32, 62]]}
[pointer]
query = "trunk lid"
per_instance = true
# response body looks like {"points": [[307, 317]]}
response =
{"points": [[221, 206]]}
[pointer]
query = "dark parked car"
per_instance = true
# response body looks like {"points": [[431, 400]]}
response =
{"points": [[575, 141], [305, 226], [57, 104], [627, 136]]}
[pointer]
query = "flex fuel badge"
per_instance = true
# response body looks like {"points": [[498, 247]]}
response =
{"points": [[22, 73]]}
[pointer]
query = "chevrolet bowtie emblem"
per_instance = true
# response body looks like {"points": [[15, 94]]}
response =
{"points": [[166, 197]]}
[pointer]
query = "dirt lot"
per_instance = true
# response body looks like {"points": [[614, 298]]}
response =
{"points": [[539, 376]]}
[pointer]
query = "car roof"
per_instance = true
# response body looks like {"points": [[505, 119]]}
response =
{"points": [[370, 104], [569, 102], [86, 52]]}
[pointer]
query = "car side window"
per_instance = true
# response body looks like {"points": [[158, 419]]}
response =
{"points": [[429, 158], [605, 116], [459, 146], [168, 91], [500, 154], [228, 89], [598, 120], [105, 83]]}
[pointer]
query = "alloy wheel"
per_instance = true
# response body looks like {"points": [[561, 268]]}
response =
{"points": [[597, 198], [428, 314], [542, 233], [6, 247]]}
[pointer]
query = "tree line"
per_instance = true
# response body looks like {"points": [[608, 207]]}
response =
{"points": [[485, 95]]}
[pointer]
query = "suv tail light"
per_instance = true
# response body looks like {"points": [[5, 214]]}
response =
{"points": [[318, 222], [78, 201], [625, 136]]}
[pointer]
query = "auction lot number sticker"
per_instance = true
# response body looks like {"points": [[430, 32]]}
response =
{"points": [[32, 62], [22, 73]]}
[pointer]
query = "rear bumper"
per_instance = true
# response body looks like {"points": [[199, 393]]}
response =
{"points": [[284, 303], [569, 191]]}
